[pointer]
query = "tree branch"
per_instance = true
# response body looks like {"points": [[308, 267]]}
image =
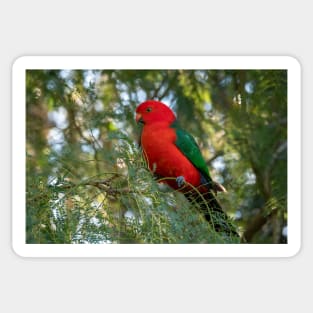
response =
{"points": [[103, 185], [256, 224]]}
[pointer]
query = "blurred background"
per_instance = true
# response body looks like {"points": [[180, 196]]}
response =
{"points": [[87, 182]]}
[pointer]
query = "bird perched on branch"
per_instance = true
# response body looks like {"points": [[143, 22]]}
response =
{"points": [[173, 155]]}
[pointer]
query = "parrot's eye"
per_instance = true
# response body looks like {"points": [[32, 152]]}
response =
{"points": [[149, 109]]}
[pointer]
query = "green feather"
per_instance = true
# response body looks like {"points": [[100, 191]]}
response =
{"points": [[188, 146]]}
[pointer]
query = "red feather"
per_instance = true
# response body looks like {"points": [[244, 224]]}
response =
{"points": [[163, 156]]}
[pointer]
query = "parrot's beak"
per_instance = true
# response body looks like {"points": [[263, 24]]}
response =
{"points": [[139, 118]]}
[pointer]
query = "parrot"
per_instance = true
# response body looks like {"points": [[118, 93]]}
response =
{"points": [[173, 156]]}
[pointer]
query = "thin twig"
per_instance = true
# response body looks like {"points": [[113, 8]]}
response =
{"points": [[103, 185]]}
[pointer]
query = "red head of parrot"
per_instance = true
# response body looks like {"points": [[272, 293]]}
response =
{"points": [[153, 111]]}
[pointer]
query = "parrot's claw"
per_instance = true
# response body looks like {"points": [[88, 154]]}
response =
{"points": [[180, 181]]}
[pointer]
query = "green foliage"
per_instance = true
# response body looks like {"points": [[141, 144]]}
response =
{"points": [[88, 183]]}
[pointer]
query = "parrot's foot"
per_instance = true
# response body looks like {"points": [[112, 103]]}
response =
{"points": [[180, 181]]}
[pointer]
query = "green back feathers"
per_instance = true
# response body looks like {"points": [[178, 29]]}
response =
{"points": [[188, 146]]}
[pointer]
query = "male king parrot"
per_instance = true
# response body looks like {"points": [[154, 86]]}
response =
{"points": [[172, 152]]}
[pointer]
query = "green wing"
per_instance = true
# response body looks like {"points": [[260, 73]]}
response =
{"points": [[188, 146]]}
